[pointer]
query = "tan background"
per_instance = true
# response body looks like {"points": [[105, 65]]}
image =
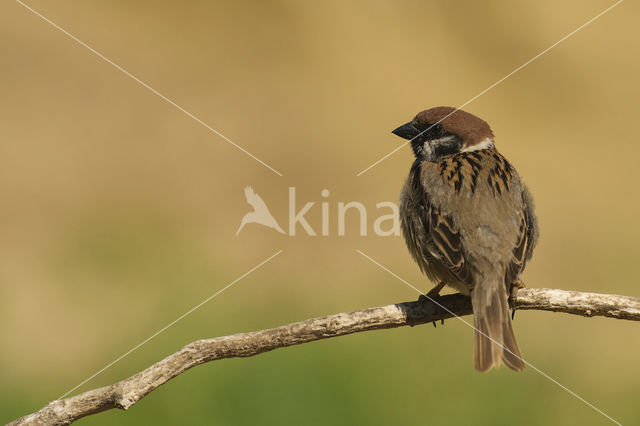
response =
{"points": [[119, 212]]}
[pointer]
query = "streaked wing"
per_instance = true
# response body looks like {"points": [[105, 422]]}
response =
{"points": [[446, 239], [441, 239], [526, 240]]}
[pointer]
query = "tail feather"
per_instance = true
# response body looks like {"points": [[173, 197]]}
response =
{"points": [[482, 356], [493, 329], [511, 355]]}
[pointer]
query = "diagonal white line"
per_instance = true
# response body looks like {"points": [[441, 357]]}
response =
{"points": [[545, 375], [170, 324], [128, 74], [495, 84]]}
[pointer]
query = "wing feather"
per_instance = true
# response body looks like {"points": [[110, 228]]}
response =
{"points": [[442, 239], [527, 238], [446, 240]]}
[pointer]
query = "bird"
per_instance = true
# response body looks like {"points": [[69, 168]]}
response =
{"points": [[260, 213], [468, 221]]}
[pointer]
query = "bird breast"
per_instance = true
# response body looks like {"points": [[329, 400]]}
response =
{"points": [[482, 194]]}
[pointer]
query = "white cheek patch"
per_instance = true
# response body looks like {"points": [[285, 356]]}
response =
{"points": [[484, 144], [430, 149], [427, 150], [443, 140]]}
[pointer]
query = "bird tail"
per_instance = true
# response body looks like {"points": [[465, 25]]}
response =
{"points": [[495, 342]]}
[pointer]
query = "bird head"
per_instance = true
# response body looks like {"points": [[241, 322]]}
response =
{"points": [[441, 132]]}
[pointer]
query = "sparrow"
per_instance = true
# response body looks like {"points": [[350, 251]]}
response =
{"points": [[469, 223]]}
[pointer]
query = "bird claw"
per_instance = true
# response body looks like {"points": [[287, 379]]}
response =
{"points": [[441, 323]]}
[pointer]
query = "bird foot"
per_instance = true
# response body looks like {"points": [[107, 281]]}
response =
{"points": [[513, 295], [432, 294], [519, 284]]}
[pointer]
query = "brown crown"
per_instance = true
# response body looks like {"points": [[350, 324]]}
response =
{"points": [[471, 129]]}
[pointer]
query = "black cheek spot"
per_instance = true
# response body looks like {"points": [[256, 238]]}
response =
{"points": [[446, 149]]}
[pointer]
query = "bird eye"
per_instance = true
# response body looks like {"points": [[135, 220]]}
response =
{"points": [[436, 129]]}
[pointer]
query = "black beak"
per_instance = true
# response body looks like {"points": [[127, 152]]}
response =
{"points": [[406, 131]]}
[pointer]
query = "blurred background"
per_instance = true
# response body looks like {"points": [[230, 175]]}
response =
{"points": [[119, 212]]}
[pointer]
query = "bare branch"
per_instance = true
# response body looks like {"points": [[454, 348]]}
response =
{"points": [[129, 391]]}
